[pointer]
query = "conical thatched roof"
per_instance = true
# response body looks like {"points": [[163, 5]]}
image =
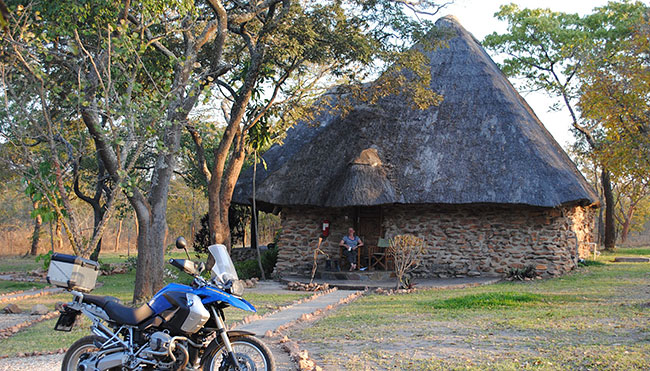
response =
{"points": [[482, 144]]}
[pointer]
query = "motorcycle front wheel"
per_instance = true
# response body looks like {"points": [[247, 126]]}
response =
{"points": [[78, 351], [251, 353]]}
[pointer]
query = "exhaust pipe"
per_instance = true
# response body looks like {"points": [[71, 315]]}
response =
{"points": [[109, 361]]}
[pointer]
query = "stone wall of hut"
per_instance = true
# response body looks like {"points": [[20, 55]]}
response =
{"points": [[460, 240], [301, 229]]}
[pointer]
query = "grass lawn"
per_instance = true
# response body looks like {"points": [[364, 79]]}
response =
{"points": [[595, 318], [18, 264], [11, 286], [42, 337]]}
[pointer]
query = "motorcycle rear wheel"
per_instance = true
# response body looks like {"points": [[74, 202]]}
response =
{"points": [[76, 351], [251, 353]]}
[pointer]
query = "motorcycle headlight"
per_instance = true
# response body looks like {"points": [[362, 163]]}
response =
{"points": [[237, 288]]}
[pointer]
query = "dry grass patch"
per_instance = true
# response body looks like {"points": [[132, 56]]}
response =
{"points": [[594, 318]]}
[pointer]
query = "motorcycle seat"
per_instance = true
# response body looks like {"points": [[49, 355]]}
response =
{"points": [[99, 301], [126, 315]]}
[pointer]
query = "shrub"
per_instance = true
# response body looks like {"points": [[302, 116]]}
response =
{"points": [[46, 258], [521, 273], [589, 263], [407, 253], [202, 237], [249, 268]]}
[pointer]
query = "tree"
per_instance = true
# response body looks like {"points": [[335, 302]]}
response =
{"points": [[95, 65], [615, 94], [131, 74], [289, 53], [548, 50]]}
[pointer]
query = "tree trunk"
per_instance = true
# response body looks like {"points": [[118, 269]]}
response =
{"points": [[219, 231], [152, 220], [51, 237], [38, 221], [118, 234], [98, 215], [59, 235], [610, 223], [625, 228]]}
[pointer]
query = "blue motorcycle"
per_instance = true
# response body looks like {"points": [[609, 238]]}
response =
{"points": [[181, 328]]}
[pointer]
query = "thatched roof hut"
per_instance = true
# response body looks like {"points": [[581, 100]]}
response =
{"points": [[481, 159], [483, 144]]}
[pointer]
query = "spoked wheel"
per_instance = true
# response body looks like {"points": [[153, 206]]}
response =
{"points": [[80, 350], [251, 353]]}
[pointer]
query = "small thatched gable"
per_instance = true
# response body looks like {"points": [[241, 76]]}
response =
{"points": [[482, 144]]}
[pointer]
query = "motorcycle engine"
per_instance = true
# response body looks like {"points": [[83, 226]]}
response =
{"points": [[159, 341]]}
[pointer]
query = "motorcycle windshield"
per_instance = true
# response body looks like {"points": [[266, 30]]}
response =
{"points": [[223, 269]]}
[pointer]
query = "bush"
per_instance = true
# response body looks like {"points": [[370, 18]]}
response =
{"points": [[521, 274], [46, 258], [202, 237], [407, 253], [249, 268], [589, 263]]}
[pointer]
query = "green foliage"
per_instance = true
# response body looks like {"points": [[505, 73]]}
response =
{"points": [[521, 273], [249, 268], [596, 66], [202, 237], [269, 259], [131, 263], [104, 267], [590, 263], [489, 300], [82, 75], [46, 258], [238, 218]]}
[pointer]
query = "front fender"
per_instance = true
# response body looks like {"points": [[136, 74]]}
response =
{"points": [[210, 295]]}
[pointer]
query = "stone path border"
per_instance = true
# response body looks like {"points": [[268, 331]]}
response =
{"points": [[29, 294], [10, 331], [265, 327], [19, 277], [421, 283], [257, 317], [301, 356]]}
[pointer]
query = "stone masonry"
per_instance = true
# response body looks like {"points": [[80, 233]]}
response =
{"points": [[461, 240]]}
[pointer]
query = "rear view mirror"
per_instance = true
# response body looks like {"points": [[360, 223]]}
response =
{"points": [[181, 243]]}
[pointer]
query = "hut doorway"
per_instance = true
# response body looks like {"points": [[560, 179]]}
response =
{"points": [[368, 227]]}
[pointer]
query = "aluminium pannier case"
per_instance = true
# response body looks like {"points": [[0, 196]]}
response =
{"points": [[72, 272]]}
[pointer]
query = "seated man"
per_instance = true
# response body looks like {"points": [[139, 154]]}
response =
{"points": [[351, 243]]}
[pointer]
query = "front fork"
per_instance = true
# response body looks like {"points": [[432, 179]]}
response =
{"points": [[221, 329]]}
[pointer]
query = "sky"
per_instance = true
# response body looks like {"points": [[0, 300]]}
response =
{"points": [[477, 16]]}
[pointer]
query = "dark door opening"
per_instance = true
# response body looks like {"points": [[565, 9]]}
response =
{"points": [[368, 227]]}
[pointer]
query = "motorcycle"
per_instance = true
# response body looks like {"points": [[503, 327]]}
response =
{"points": [[180, 328]]}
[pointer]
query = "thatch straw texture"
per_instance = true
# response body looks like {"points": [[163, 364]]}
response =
{"points": [[482, 144]]}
